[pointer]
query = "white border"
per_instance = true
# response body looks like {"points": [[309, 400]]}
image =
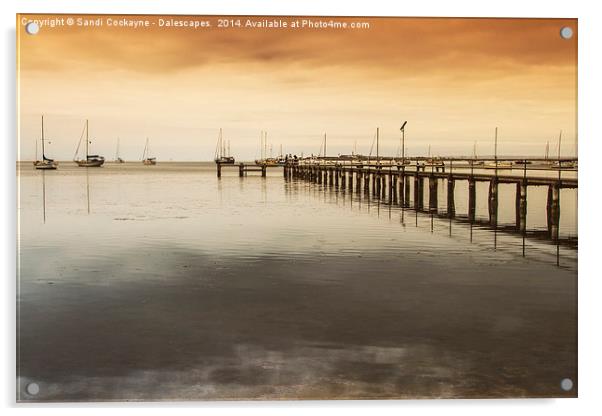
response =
{"points": [[590, 277]]}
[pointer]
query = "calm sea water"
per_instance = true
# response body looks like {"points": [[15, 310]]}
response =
{"points": [[163, 282]]}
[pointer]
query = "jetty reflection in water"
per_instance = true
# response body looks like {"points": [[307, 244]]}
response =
{"points": [[172, 284]]}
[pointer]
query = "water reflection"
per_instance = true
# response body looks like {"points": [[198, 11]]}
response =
{"points": [[374, 198], [44, 194], [265, 288]]}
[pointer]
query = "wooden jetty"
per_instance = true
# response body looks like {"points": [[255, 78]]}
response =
{"points": [[244, 168], [394, 181]]}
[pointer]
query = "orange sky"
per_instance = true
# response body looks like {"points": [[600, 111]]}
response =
{"points": [[454, 80]]}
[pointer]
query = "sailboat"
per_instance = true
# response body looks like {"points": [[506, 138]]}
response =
{"points": [[220, 151], [476, 162], [146, 159], [45, 163], [118, 159], [281, 158], [91, 161]]}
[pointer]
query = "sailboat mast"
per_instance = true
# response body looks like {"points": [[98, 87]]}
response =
{"points": [[324, 144], [43, 153], [377, 140], [87, 140], [265, 144]]}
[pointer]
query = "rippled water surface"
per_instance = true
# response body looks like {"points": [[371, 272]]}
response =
{"points": [[163, 282]]}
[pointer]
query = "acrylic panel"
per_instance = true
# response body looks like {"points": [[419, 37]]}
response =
{"points": [[269, 208]]}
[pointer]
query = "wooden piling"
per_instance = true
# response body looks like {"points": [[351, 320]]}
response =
{"points": [[553, 208], [493, 201], [219, 170], [521, 206], [406, 190], [433, 194], [418, 191], [350, 180], [451, 204], [472, 199]]}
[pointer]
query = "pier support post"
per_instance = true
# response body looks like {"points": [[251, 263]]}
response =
{"points": [[350, 179], [343, 175], [402, 178], [337, 173], [330, 175], [241, 170], [367, 175], [472, 199], [392, 188], [264, 171], [418, 191], [553, 210], [493, 201], [358, 181], [521, 206], [406, 190], [451, 204], [433, 197], [219, 170], [374, 182]]}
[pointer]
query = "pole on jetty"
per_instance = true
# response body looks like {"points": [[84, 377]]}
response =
{"points": [[219, 169], [403, 142], [495, 151], [377, 154]]}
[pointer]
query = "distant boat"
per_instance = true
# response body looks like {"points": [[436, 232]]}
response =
{"points": [[564, 164], [45, 163], [221, 156], [91, 161], [146, 159], [476, 162], [118, 159], [498, 165], [269, 161]]}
